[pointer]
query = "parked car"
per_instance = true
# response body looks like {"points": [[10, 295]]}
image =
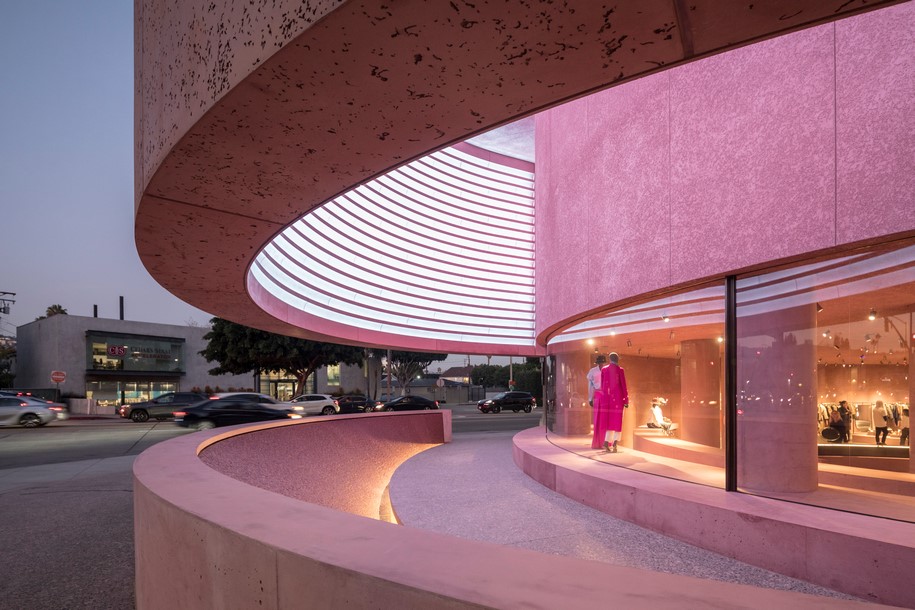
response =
{"points": [[356, 403], [317, 404], [230, 411], [408, 403], [516, 401], [15, 411], [161, 407], [59, 408]]}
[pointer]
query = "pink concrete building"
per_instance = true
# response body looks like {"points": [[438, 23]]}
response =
{"points": [[724, 196]]}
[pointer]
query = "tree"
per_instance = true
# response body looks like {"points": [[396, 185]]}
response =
{"points": [[406, 366], [53, 310], [489, 376], [6, 356], [240, 349]]}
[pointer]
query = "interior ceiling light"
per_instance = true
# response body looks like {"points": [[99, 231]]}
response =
{"points": [[665, 317], [872, 315], [819, 308], [826, 332]]}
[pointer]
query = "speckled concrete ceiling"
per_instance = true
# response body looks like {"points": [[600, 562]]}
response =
{"points": [[236, 141]]}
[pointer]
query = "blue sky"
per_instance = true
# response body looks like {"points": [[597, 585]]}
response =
{"points": [[66, 165]]}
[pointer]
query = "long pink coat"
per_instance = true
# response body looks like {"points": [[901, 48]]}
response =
{"points": [[608, 403]]}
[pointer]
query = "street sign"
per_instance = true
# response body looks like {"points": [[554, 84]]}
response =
{"points": [[440, 382], [58, 376]]}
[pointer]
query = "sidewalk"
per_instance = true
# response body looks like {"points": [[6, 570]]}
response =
{"points": [[472, 489]]}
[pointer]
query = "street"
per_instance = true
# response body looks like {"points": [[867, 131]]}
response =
{"points": [[68, 533], [88, 439]]}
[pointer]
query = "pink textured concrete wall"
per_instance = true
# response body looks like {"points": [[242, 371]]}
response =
{"points": [[791, 146], [310, 462]]}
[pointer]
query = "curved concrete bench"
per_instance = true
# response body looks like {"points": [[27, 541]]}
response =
{"points": [[207, 539]]}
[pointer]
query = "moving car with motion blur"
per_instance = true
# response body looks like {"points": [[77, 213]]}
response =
{"points": [[356, 403], [229, 411], [16, 411], [159, 408], [408, 403], [516, 401]]}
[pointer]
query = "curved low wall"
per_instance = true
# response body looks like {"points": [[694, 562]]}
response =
{"points": [[848, 552], [205, 539]]}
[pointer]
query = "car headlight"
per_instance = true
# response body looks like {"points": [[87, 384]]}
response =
{"points": [[295, 416], [298, 408]]}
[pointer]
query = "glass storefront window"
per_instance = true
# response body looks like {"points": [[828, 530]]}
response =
{"points": [[825, 376], [116, 393], [122, 352], [671, 350]]}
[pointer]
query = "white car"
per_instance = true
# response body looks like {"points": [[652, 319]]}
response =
{"points": [[316, 404], [17, 411], [59, 408], [267, 401]]}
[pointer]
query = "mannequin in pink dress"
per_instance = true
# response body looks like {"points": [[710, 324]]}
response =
{"points": [[615, 399]]}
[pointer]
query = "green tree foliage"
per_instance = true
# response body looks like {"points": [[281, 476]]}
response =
{"points": [[240, 349], [6, 356], [407, 366], [53, 310], [489, 376]]}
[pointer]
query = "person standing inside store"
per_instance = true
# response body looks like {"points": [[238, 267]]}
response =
{"points": [[880, 423], [845, 413], [616, 398], [904, 427], [838, 424]]}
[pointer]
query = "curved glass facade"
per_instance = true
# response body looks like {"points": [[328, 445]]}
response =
{"points": [[822, 370]]}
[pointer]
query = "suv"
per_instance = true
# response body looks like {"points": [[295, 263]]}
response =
{"points": [[355, 403], [516, 401], [160, 408], [314, 404]]}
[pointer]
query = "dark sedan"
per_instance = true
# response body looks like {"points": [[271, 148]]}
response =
{"points": [[229, 411], [409, 403]]}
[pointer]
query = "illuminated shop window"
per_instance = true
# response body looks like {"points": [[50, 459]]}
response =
{"points": [[672, 352]]}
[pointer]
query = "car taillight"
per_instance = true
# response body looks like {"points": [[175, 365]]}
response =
{"points": [[436, 403], [56, 408], [534, 400], [179, 413], [336, 403]]}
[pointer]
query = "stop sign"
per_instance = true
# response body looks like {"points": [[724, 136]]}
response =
{"points": [[58, 376]]}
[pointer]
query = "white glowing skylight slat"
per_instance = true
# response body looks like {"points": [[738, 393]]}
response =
{"points": [[504, 232], [331, 280], [433, 170], [445, 169], [442, 250], [393, 323], [472, 160], [398, 237], [355, 304], [513, 208], [408, 262], [473, 287], [485, 169]]}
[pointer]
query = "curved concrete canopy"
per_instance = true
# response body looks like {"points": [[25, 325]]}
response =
{"points": [[367, 88]]}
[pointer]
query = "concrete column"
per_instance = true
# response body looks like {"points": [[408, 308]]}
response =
{"points": [[700, 392], [776, 421]]}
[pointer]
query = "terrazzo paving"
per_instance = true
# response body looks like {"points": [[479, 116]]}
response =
{"points": [[472, 489]]}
